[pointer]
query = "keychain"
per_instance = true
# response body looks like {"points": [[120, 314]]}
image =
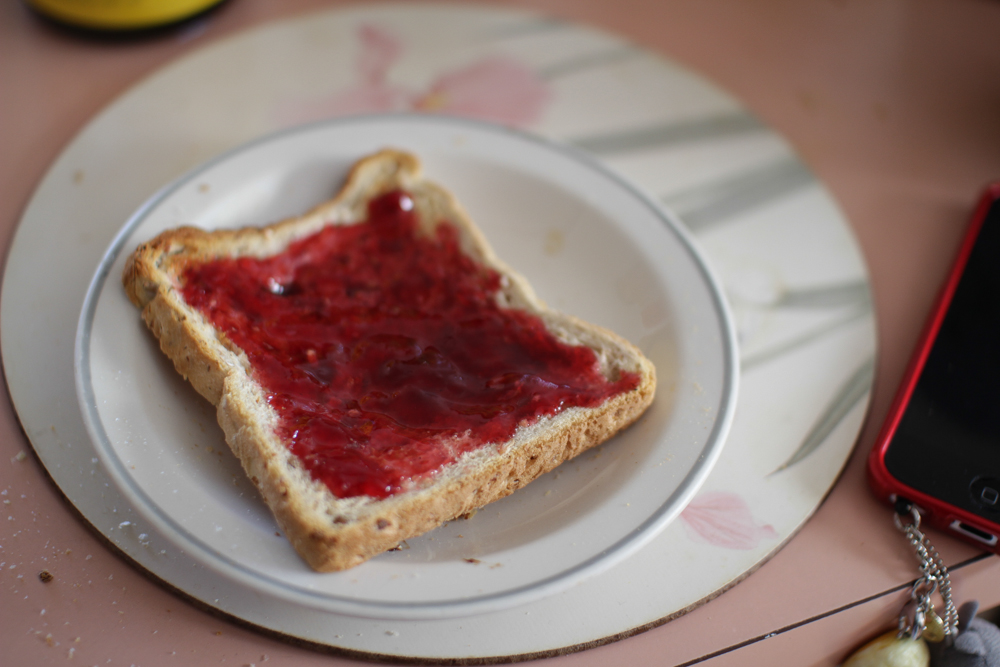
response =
{"points": [[925, 638], [919, 618]]}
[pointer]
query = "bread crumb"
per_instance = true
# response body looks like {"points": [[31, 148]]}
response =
{"points": [[45, 576], [474, 561], [20, 456], [554, 242]]}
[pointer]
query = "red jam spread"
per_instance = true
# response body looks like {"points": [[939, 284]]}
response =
{"points": [[384, 352]]}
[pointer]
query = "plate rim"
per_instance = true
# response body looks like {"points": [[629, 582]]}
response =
{"points": [[233, 570]]}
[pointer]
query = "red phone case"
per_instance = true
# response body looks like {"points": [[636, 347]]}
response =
{"points": [[887, 487]]}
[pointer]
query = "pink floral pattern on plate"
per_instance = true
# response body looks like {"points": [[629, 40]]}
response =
{"points": [[496, 88], [724, 520]]}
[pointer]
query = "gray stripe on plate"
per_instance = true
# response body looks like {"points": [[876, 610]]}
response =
{"points": [[708, 204], [652, 137]]}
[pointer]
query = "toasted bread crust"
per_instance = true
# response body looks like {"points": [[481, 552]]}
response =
{"points": [[331, 533]]}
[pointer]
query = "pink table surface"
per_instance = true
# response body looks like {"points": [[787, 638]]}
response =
{"points": [[895, 105]]}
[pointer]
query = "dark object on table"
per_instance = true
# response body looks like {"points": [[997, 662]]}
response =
{"points": [[977, 644]]}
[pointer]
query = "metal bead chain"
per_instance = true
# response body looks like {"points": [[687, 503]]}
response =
{"points": [[934, 577]]}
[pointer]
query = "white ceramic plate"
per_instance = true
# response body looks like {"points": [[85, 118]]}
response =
{"points": [[591, 244], [794, 277]]}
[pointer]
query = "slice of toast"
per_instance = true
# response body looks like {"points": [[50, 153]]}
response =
{"points": [[334, 531]]}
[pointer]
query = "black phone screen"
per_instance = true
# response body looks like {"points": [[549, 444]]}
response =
{"points": [[947, 443]]}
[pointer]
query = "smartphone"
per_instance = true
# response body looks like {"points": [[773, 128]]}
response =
{"points": [[939, 448]]}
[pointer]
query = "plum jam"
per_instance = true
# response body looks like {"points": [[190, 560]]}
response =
{"points": [[383, 350]]}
